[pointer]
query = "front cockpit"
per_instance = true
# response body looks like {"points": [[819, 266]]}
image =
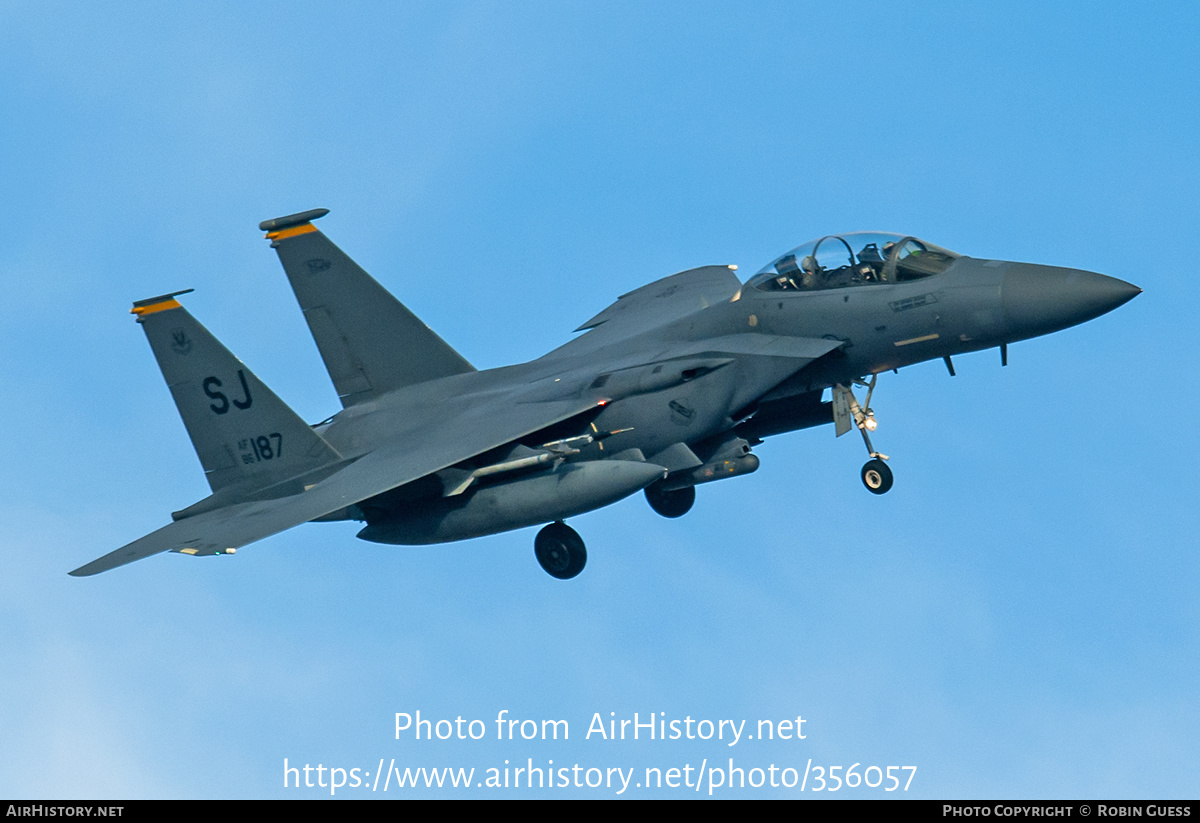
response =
{"points": [[856, 259]]}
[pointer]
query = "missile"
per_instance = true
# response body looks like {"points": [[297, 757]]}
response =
{"points": [[456, 481]]}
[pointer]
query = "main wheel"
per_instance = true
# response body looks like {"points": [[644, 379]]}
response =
{"points": [[559, 549], [675, 503], [876, 476]]}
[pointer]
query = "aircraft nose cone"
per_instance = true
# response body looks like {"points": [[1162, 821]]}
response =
{"points": [[1042, 299]]}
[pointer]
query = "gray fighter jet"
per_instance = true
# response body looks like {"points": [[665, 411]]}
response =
{"points": [[672, 386]]}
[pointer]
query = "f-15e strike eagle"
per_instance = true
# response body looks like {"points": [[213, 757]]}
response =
{"points": [[670, 387]]}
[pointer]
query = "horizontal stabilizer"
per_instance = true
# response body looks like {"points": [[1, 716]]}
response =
{"points": [[370, 342], [476, 430]]}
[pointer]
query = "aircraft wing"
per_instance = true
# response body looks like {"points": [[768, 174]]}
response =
{"points": [[475, 428], [656, 304]]}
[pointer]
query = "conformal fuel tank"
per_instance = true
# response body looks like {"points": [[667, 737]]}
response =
{"points": [[571, 489]]}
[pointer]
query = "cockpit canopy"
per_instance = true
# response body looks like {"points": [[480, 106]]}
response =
{"points": [[856, 259]]}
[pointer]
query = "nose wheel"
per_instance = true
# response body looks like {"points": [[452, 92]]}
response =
{"points": [[560, 551], [876, 475]]}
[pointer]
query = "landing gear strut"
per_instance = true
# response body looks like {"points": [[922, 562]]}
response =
{"points": [[876, 475], [560, 551], [674, 503]]}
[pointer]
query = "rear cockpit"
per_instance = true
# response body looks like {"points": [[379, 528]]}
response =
{"points": [[856, 259]]}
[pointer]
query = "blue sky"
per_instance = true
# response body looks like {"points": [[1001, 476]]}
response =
{"points": [[1017, 618]]}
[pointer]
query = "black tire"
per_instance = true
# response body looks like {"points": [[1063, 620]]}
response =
{"points": [[560, 551], [674, 503], [877, 477]]}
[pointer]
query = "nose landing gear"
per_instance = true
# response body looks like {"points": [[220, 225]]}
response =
{"points": [[876, 475]]}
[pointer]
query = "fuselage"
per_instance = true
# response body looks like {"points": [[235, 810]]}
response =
{"points": [[663, 386]]}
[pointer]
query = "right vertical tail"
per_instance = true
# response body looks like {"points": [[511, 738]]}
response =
{"points": [[370, 342]]}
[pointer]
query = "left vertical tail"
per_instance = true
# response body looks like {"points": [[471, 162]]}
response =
{"points": [[243, 433]]}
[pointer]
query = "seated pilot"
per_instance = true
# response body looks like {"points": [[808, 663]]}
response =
{"points": [[809, 267], [870, 254]]}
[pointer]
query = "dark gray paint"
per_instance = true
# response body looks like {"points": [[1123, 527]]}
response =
{"points": [[427, 449]]}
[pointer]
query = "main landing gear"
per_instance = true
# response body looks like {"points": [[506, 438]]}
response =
{"points": [[675, 503], [560, 551], [876, 475]]}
